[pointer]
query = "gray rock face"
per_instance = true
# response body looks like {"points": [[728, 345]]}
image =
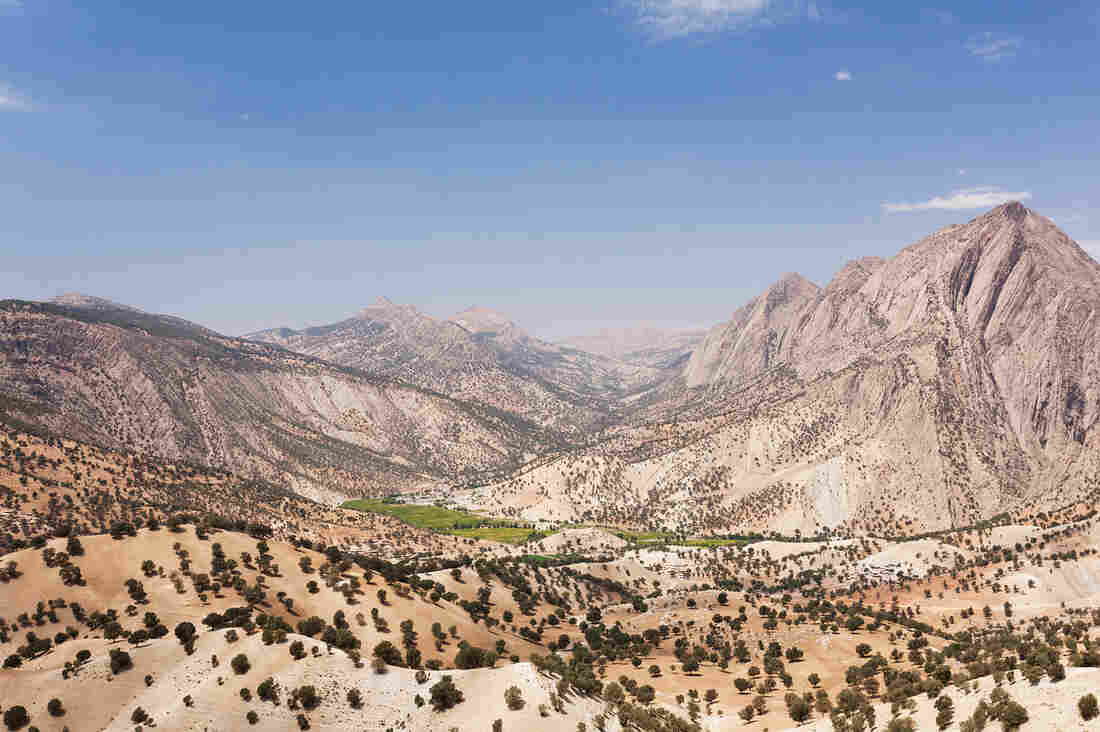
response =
{"points": [[760, 335], [1010, 297], [982, 339]]}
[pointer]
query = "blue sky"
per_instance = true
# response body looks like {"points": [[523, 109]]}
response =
{"points": [[576, 165]]}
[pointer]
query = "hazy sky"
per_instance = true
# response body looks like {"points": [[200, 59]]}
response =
{"points": [[572, 164]]}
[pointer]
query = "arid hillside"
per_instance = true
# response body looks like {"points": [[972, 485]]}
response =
{"points": [[124, 379], [185, 625], [481, 356], [141, 592], [52, 486], [955, 381]]}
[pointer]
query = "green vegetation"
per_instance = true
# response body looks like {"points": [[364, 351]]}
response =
{"points": [[420, 516], [645, 537], [447, 521], [711, 542], [666, 537], [473, 526], [553, 560], [505, 534]]}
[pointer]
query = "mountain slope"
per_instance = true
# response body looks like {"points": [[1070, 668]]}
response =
{"points": [[756, 338], [956, 380], [1010, 296], [126, 379], [479, 355]]}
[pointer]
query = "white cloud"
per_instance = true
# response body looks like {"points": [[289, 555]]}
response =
{"points": [[990, 47], [843, 76], [10, 99], [984, 197], [678, 18], [1092, 246]]}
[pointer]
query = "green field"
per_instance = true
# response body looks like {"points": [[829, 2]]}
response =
{"points": [[538, 558], [473, 526], [423, 517], [447, 521]]}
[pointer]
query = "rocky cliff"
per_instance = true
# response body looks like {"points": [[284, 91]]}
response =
{"points": [[934, 389]]}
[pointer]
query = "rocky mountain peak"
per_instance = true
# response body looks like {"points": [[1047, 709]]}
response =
{"points": [[483, 321], [90, 302], [382, 304], [1012, 210], [790, 287], [384, 310], [794, 280]]}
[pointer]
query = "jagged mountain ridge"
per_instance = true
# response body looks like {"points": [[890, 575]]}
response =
{"points": [[1009, 289], [478, 355], [126, 379], [939, 387]]}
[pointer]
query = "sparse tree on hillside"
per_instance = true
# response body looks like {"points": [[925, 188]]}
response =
{"points": [[513, 697], [445, 695]]}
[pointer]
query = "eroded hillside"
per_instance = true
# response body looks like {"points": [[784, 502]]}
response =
{"points": [[129, 380], [480, 356], [956, 380]]}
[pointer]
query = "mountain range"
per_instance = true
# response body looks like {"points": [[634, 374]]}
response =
{"points": [[931, 389], [479, 355]]}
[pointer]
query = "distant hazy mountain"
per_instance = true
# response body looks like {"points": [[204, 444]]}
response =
{"points": [[481, 356], [643, 345]]}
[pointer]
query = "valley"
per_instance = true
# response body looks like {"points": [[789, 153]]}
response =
{"points": [[868, 505]]}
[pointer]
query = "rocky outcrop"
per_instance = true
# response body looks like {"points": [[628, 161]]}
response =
{"points": [[760, 335]]}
